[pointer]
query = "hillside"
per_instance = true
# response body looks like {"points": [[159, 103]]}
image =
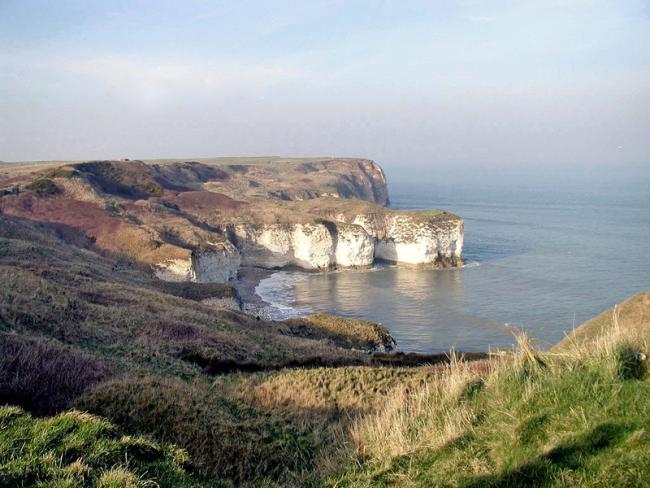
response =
{"points": [[193, 221], [527, 418], [180, 388], [632, 315]]}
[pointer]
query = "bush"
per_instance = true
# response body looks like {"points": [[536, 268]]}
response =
{"points": [[44, 187]]}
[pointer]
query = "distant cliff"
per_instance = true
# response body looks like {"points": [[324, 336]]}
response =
{"points": [[201, 220]]}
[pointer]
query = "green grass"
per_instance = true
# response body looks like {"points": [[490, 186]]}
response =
{"points": [[75, 449], [83, 328], [225, 438], [545, 420]]}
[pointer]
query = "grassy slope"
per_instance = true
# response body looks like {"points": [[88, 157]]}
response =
{"points": [[81, 329], [633, 314], [90, 331], [579, 418], [74, 449]]}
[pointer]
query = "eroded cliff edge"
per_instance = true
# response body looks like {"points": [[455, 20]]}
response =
{"points": [[201, 220]]}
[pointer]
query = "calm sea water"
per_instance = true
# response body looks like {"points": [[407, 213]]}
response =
{"points": [[540, 259]]}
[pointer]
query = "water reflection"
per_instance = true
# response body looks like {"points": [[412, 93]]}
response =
{"points": [[420, 307]]}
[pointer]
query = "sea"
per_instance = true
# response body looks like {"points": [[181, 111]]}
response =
{"points": [[539, 257]]}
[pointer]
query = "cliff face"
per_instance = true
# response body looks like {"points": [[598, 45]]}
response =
{"points": [[196, 221], [432, 239], [415, 238], [310, 246]]}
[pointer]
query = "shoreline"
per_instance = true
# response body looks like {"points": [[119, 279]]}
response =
{"points": [[246, 284]]}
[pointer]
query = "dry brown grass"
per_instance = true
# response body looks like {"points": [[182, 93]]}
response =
{"points": [[632, 314], [225, 439], [45, 376], [349, 333], [417, 418], [110, 308], [323, 393]]}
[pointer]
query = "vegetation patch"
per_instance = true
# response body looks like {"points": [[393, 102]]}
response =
{"points": [[43, 187], [539, 420], [225, 439], [359, 334], [75, 449], [129, 179], [45, 376]]}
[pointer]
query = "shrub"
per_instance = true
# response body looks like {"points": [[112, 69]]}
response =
{"points": [[43, 187]]}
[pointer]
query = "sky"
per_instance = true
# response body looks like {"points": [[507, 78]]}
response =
{"points": [[463, 86]]}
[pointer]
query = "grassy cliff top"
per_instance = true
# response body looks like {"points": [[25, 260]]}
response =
{"points": [[632, 315]]}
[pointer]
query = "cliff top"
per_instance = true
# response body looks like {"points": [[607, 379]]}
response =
{"points": [[165, 209], [633, 315]]}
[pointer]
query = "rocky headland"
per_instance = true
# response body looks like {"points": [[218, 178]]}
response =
{"points": [[201, 220]]}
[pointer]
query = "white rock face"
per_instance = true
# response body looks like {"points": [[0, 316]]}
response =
{"points": [[267, 246], [215, 264], [354, 247], [419, 243], [413, 239], [175, 270], [408, 238], [308, 246], [313, 246]]}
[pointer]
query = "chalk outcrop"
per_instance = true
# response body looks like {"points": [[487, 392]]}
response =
{"points": [[312, 246], [408, 238], [415, 238], [215, 264]]}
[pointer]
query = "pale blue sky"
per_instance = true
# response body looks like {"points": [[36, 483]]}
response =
{"points": [[502, 84]]}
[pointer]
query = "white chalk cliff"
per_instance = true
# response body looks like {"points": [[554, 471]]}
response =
{"points": [[216, 263], [313, 230], [410, 238]]}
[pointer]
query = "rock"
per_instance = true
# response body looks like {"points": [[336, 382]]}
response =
{"points": [[412, 238], [217, 265], [312, 246], [214, 264], [354, 247], [411, 241], [417, 238]]}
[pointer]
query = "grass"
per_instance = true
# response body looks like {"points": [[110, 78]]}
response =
{"points": [[45, 375], [75, 449], [251, 403], [633, 314], [43, 187], [358, 334], [225, 439], [113, 310], [534, 419]]}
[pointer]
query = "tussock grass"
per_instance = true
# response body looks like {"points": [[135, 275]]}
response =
{"points": [[358, 334], [322, 393], [226, 439], [416, 418], [44, 375], [74, 449], [579, 418]]}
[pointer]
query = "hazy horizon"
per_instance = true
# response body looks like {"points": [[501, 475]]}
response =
{"points": [[461, 86]]}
